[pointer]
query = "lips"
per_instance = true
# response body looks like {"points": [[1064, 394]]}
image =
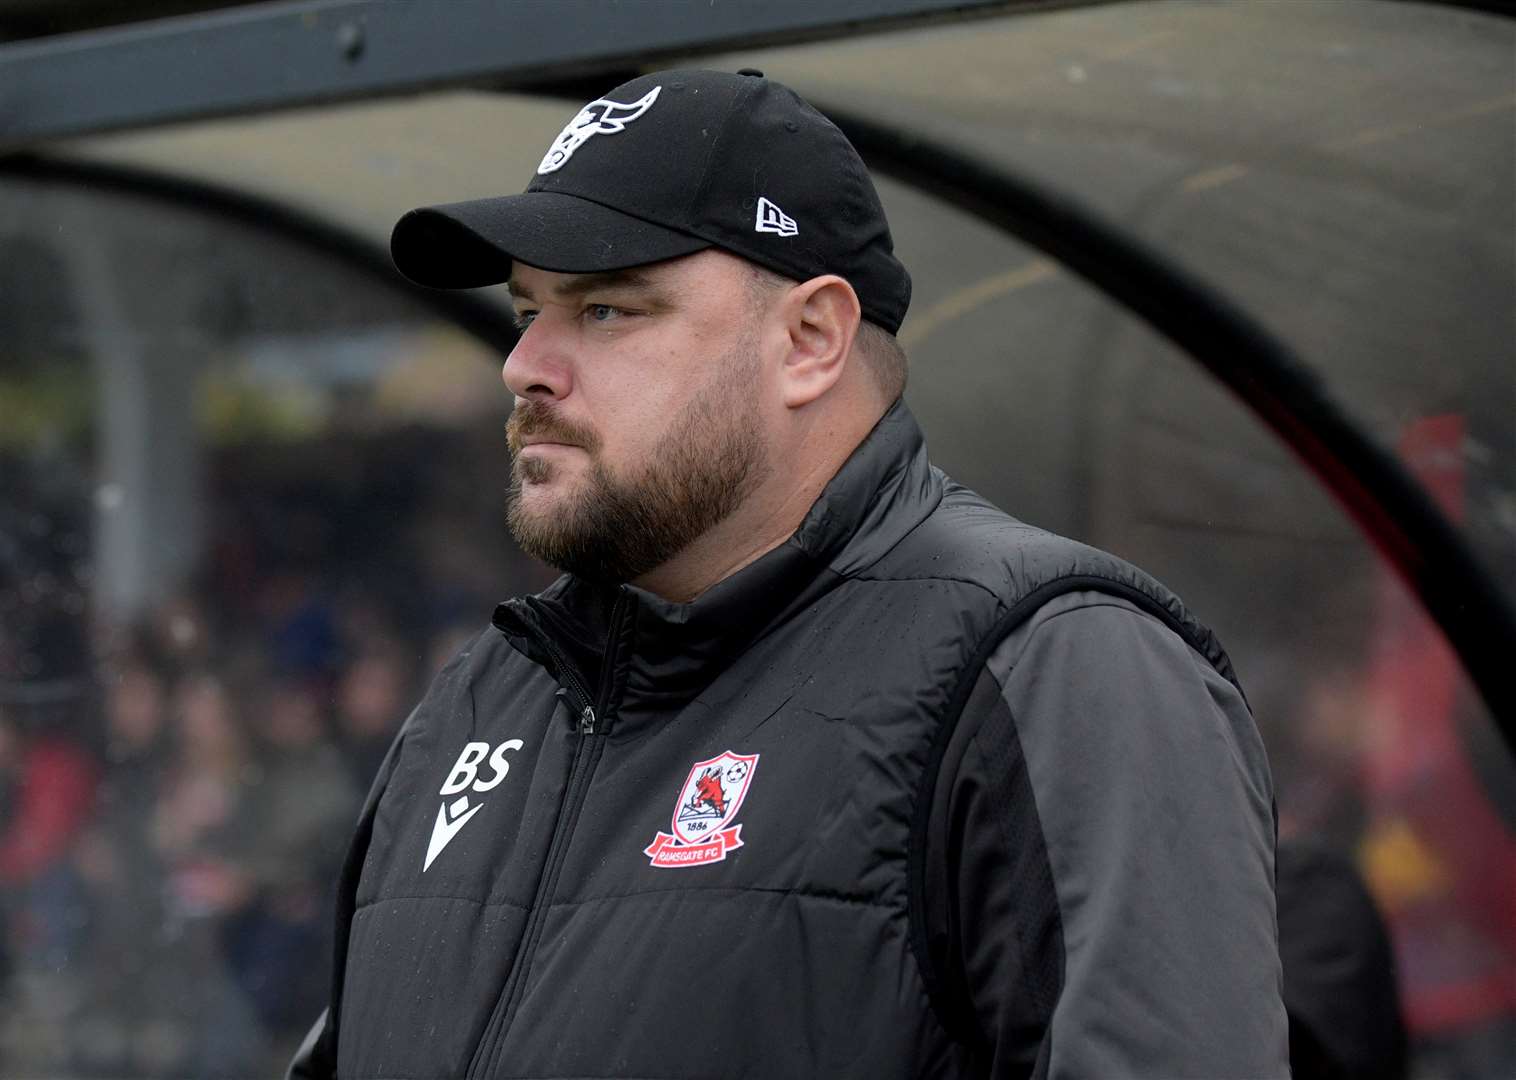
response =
{"points": [[535, 424], [519, 441]]}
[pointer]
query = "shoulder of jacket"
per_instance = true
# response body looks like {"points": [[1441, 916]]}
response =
{"points": [[967, 538]]}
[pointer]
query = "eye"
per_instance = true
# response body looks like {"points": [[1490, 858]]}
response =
{"points": [[523, 319], [601, 312]]}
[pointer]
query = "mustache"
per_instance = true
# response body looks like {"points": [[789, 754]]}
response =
{"points": [[536, 419]]}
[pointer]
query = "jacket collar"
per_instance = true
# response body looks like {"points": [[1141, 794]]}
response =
{"points": [[670, 650]]}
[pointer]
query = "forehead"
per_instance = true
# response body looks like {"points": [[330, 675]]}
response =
{"points": [[706, 269], [530, 283]]}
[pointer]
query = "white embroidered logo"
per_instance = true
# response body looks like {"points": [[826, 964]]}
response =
{"points": [[774, 220], [453, 816], [599, 117]]}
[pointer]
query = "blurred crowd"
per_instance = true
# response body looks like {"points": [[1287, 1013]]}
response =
{"points": [[172, 822], [177, 790]]}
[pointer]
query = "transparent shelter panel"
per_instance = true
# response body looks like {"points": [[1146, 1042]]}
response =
{"points": [[250, 500], [1341, 171], [1070, 414]]}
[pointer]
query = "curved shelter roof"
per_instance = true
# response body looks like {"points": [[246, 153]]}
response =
{"points": [[1343, 170]]}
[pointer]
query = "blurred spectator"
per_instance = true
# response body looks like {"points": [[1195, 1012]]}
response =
{"points": [[47, 774], [126, 1029], [1323, 796], [373, 696], [303, 639], [49, 781], [8, 785], [205, 830], [304, 801], [1339, 970], [117, 854], [202, 821]]}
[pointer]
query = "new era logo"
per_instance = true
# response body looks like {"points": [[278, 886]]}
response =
{"points": [[771, 219]]}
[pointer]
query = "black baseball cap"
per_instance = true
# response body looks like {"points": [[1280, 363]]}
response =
{"points": [[666, 165]]}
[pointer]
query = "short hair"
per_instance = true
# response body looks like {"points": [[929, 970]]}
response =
{"points": [[885, 356], [880, 349]]}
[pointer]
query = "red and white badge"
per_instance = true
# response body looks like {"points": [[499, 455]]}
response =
{"points": [[710, 799]]}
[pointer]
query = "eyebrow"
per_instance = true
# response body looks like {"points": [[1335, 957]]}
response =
{"points": [[586, 283]]}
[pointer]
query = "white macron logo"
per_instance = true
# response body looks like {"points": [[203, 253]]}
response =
{"points": [[453, 816], [774, 220], [599, 117]]}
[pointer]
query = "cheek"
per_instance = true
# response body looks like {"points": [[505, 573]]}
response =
{"points": [[631, 394], [630, 414]]}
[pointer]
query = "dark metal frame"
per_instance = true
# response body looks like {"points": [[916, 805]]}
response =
{"points": [[278, 55], [288, 53], [1394, 511]]}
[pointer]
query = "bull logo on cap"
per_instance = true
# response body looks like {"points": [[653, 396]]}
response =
{"points": [[599, 117]]}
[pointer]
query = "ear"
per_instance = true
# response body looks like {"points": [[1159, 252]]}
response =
{"points": [[821, 319]]}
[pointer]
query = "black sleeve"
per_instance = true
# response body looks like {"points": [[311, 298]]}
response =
{"points": [[1107, 842]]}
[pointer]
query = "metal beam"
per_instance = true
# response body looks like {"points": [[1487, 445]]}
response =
{"points": [[45, 18], [279, 55], [476, 311]]}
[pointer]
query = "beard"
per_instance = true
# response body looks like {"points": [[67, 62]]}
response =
{"points": [[617, 527]]}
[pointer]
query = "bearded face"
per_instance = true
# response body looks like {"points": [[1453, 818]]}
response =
{"points": [[621, 521]]}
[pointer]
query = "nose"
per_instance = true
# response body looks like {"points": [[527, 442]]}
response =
{"points": [[536, 369]]}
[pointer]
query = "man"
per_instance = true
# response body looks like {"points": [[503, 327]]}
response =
{"points": [[813, 763]]}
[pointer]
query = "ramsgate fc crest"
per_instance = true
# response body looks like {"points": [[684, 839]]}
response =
{"points": [[702, 823]]}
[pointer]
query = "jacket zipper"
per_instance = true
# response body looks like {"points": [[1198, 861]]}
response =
{"points": [[590, 722]]}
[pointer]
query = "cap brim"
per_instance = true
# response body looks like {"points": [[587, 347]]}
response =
{"points": [[469, 244]]}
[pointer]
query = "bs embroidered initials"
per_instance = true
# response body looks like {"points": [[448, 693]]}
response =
{"points": [[453, 816]]}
